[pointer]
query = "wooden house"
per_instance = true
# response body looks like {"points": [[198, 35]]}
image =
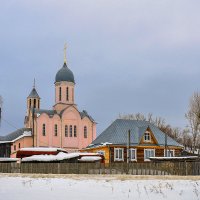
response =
{"points": [[146, 140]]}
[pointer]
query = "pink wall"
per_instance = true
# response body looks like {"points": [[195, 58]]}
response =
{"points": [[21, 143], [69, 117], [64, 85]]}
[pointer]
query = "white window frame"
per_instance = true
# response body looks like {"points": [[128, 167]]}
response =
{"points": [[101, 152], [131, 152], [146, 159], [149, 136], [170, 150], [116, 158]]}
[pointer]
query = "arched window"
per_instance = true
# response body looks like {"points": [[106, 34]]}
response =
{"points": [[70, 129], [55, 129], [72, 94], [85, 131], [29, 103], [60, 94], [34, 103], [67, 94], [75, 131], [66, 131], [43, 129]]}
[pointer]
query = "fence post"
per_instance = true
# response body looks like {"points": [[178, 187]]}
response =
{"points": [[186, 170]]}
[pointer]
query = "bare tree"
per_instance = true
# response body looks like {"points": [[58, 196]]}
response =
{"points": [[157, 121], [193, 117], [174, 133]]}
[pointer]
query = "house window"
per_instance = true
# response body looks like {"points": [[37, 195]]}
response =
{"points": [[101, 152], [147, 136], [148, 153], [75, 131], [67, 94], [66, 131], [60, 94], [14, 147], [19, 145], [56, 130], [85, 131], [133, 154], [170, 153], [70, 130], [118, 154], [43, 129], [34, 103], [38, 103]]}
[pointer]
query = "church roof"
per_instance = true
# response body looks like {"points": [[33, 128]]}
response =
{"points": [[52, 112], [48, 112], [117, 133], [14, 135], [85, 114], [33, 94], [64, 74]]}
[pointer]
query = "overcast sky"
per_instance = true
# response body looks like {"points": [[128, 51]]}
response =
{"points": [[127, 56]]}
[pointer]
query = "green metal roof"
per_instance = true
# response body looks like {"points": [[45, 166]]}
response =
{"points": [[14, 134], [65, 74], [33, 94], [117, 133]]}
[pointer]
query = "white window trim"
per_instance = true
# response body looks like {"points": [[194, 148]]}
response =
{"points": [[171, 150], [145, 156], [101, 152], [135, 154], [118, 159], [149, 136]]}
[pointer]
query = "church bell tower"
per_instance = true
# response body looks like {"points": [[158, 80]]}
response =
{"points": [[33, 102], [64, 86]]}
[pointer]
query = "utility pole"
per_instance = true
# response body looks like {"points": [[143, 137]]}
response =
{"points": [[128, 149], [165, 144], [33, 128]]}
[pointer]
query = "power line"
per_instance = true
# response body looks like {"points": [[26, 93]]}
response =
{"points": [[10, 124]]}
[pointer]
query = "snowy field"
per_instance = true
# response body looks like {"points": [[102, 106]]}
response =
{"points": [[81, 187]]}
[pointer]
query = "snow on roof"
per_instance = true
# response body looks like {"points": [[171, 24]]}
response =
{"points": [[60, 156], [89, 158], [105, 143], [25, 133], [99, 145], [9, 159], [88, 154], [45, 149], [46, 158], [174, 158]]}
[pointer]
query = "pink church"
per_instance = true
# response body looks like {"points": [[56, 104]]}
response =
{"points": [[63, 126]]}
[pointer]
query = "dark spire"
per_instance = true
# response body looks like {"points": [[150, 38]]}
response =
{"points": [[33, 93]]}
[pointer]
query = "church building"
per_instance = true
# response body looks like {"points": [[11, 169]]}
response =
{"points": [[63, 126]]}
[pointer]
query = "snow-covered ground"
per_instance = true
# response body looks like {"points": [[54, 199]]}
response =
{"points": [[75, 187]]}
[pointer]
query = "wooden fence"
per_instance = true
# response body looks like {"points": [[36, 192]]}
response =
{"points": [[151, 168]]}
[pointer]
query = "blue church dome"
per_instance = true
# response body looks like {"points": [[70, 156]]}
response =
{"points": [[65, 74]]}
